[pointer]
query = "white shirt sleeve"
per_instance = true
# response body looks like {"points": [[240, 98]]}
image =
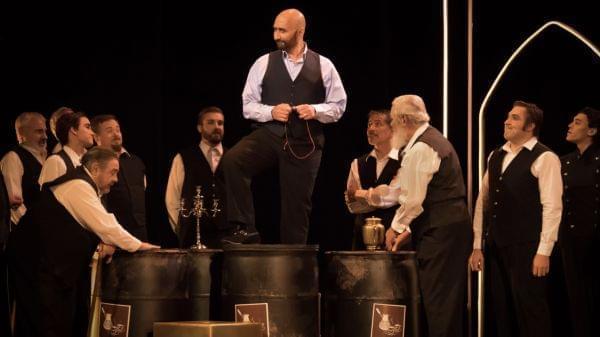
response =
{"points": [[82, 202], [53, 168], [482, 200], [173, 192], [356, 206], [252, 94], [12, 171], [419, 164], [335, 96], [547, 169]]}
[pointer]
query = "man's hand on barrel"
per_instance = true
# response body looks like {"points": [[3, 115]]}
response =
{"points": [[106, 251], [393, 239], [148, 246]]}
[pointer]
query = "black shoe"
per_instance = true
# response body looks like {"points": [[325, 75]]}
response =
{"points": [[241, 236]]}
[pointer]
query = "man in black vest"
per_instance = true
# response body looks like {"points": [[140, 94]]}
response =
{"points": [[520, 205], [51, 249], [370, 171], [199, 165], [127, 198], [22, 165], [431, 192], [75, 135], [289, 94], [579, 235]]}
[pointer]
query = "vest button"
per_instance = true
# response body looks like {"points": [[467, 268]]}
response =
{"points": [[572, 226], [497, 190], [565, 174], [494, 216], [495, 203], [500, 178]]}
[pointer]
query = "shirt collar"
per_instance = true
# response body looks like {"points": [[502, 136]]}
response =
{"points": [[286, 56], [205, 147], [34, 151], [415, 136], [90, 174], [393, 154], [528, 145], [71, 153]]}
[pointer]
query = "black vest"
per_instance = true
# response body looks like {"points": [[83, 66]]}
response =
{"points": [[367, 170], [307, 88], [68, 162], [581, 194], [48, 237], [198, 173], [514, 211], [127, 198], [31, 175], [444, 202], [4, 213]]}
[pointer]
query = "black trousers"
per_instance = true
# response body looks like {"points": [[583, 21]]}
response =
{"points": [[257, 152], [46, 306], [519, 303], [580, 256], [442, 255]]}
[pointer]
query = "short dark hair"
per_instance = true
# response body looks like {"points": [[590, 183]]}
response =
{"points": [[98, 155], [206, 110], [593, 117], [535, 115], [385, 112], [98, 120], [65, 123]]}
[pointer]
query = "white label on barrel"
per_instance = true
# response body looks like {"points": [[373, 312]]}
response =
{"points": [[254, 313], [388, 320], [114, 320]]}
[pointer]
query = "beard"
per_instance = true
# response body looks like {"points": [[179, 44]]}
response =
{"points": [[399, 139], [214, 138], [281, 45]]}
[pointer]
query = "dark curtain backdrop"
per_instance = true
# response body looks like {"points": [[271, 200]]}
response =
{"points": [[156, 63]]}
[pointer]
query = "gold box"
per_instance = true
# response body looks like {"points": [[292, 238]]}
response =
{"points": [[206, 329]]}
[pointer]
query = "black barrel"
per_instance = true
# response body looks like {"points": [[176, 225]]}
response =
{"points": [[204, 283], [354, 281], [160, 285], [283, 276]]}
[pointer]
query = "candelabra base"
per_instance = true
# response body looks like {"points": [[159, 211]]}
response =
{"points": [[198, 246]]}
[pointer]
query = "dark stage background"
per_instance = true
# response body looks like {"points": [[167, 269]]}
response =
{"points": [[156, 63]]}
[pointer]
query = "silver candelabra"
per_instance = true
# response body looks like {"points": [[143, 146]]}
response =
{"points": [[197, 211]]}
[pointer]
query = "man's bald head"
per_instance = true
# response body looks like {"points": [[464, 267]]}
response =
{"points": [[288, 29], [294, 17]]}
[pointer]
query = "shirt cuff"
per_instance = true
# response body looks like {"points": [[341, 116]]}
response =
{"points": [[545, 248]]}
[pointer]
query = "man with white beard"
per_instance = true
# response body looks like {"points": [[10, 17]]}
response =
{"points": [[433, 213]]}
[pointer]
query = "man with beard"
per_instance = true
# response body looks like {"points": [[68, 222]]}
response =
{"points": [[289, 94], [50, 250], [76, 136], [22, 165], [369, 172], [520, 204], [199, 166], [127, 197], [433, 212], [58, 113]]}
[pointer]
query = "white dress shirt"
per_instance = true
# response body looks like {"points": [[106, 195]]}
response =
{"points": [[546, 168], [83, 203], [409, 188], [12, 170], [55, 166], [175, 182], [362, 205], [327, 112]]}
